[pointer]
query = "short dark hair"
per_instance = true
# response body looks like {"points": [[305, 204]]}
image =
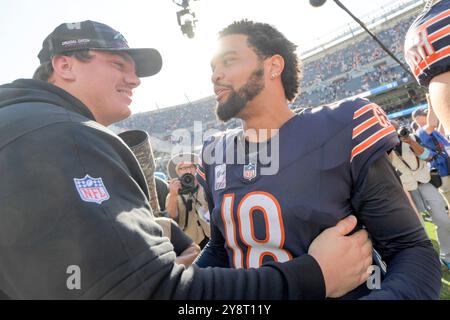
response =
{"points": [[268, 41], [45, 70], [419, 112]]}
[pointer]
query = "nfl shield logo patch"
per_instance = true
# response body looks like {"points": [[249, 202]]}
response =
{"points": [[91, 189], [250, 171]]}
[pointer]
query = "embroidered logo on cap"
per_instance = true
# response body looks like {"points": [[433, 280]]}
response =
{"points": [[91, 189]]}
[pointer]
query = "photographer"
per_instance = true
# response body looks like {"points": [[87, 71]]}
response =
{"points": [[409, 158], [186, 202]]}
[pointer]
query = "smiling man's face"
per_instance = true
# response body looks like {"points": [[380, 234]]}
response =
{"points": [[238, 76], [105, 85]]}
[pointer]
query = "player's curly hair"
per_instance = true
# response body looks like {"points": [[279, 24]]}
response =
{"points": [[268, 41]]}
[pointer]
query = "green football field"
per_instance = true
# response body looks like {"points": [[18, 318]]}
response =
{"points": [[445, 290]]}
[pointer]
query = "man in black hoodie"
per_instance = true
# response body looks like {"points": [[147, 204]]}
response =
{"points": [[75, 217]]}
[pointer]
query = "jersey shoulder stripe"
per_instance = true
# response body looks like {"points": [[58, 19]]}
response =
{"points": [[370, 126]]}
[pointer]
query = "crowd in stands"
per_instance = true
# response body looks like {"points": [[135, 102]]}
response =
{"points": [[336, 76], [181, 116], [355, 55], [348, 86]]}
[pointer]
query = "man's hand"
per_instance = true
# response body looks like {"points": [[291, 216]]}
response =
{"points": [[406, 139], [188, 256], [174, 186], [344, 260], [415, 146]]}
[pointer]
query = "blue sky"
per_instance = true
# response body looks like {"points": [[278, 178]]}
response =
{"points": [[152, 23]]}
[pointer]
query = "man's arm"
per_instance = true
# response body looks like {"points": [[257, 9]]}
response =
{"points": [[413, 270], [188, 256], [185, 249], [432, 119], [439, 91], [214, 253], [419, 150]]}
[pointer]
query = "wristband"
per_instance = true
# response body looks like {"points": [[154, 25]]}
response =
{"points": [[425, 154]]}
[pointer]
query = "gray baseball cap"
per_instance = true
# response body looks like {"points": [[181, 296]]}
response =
{"points": [[69, 37]]}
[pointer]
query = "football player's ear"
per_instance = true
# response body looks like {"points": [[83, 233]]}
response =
{"points": [[275, 66]]}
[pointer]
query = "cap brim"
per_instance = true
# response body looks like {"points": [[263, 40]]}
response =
{"points": [[148, 61], [183, 157]]}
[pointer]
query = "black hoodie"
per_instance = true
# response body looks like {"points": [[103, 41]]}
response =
{"points": [[76, 222]]}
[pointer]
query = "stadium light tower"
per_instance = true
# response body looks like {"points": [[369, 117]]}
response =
{"points": [[186, 18], [318, 3]]}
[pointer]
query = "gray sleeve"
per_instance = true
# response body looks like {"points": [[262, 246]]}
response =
{"points": [[179, 239]]}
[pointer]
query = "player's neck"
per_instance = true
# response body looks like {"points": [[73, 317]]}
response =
{"points": [[264, 116]]}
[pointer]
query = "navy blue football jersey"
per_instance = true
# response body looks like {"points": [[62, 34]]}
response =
{"points": [[321, 156], [427, 41]]}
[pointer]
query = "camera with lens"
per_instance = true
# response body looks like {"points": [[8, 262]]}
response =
{"points": [[187, 184], [403, 132]]}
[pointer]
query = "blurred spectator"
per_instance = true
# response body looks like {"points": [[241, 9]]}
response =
{"points": [[436, 142], [409, 159]]}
